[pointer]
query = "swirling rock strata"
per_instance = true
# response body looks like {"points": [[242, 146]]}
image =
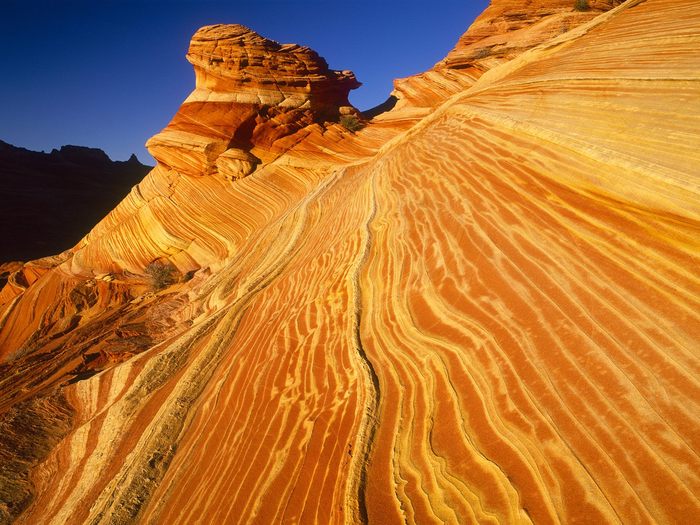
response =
{"points": [[235, 63], [488, 314], [250, 92], [503, 31]]}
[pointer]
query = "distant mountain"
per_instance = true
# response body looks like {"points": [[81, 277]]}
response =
{"points": [[49, 201]]}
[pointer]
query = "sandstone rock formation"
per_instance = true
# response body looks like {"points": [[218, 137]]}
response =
{"points": [[484, 313], [503, 31], [49, 201], [250, 93]]}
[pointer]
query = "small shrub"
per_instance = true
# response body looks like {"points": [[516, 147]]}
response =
{"points": [[162, 274], [481, 53], [581, 5], [351, 123]]}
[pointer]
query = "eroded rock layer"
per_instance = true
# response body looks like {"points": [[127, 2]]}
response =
{"points": [[488, 314], [502, 32]]}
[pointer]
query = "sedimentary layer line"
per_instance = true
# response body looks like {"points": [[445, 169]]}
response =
{"points": [[480, 308]]}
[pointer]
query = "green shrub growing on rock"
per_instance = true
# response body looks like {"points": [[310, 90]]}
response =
{"points": [[351, 123], [161, 273]]}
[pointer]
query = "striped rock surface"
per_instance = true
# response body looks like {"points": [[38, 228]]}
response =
{"points": [[487, 314]]}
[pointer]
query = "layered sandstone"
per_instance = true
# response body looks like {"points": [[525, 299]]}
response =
{"points": [[502, 32], [484, 314], [234, 63], [250, 92]]}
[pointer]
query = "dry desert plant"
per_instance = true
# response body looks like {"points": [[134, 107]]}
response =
{"points": [[162, 274]]}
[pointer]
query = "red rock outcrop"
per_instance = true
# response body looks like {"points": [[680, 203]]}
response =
{"points": [[502, 32], [484, 314], [250, 92]]}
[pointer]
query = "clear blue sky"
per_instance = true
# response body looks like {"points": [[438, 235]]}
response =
{"points": [[110, 74]]}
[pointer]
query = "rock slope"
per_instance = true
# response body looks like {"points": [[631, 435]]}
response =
{"points": [[502, 32], [484, 313]]}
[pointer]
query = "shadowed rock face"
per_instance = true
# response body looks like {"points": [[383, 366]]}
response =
{"points": [[484, 311], [49, 201]]}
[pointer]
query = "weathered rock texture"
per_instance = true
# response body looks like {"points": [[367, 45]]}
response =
{"points": [[503, 31], [487, 314], [49, 201], [250, 94]]}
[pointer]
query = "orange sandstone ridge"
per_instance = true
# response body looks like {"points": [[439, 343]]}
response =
{"points": [[503, 31], [481, 307], [250, 94]]}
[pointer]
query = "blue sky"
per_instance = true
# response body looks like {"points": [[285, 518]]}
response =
{"points": [[110, 74]]}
